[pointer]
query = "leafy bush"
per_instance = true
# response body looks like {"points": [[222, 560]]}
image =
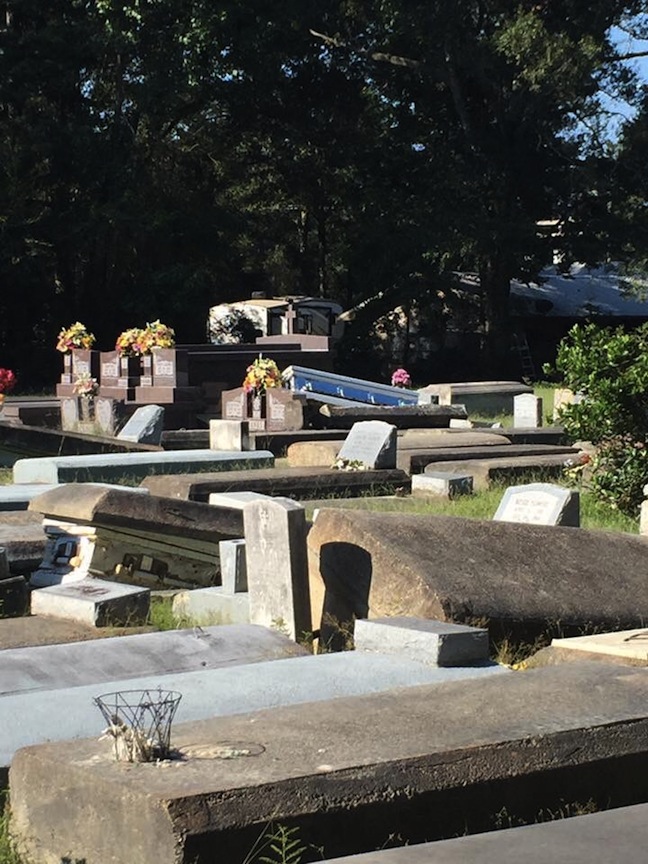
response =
{"points": [[609, 368]]}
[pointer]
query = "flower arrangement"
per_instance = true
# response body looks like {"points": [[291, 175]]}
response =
{"points": [[261, 375], [75, 336], [86, 386], [138, 341], [130, 343], [7, 381], [401, 378], [157, 335]]}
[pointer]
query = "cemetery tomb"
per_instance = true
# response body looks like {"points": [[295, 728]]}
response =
{"points": [[403, 417], [300, 483], [144, 540], [316, 382], [586, 721], [365, 564], [117, 658], [255, 676], [109, 467]]}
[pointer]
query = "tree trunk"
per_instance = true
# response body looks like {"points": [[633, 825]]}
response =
{"points": [[495, 280]]}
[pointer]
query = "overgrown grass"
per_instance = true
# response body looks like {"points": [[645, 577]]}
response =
{"points": [[8, 853], [595, 514], [6, 476]]}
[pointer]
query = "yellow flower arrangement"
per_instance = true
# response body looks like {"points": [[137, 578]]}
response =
{"points": [[75, 336], [157, 335], [138, 341], [130, 343], [261, 376]]}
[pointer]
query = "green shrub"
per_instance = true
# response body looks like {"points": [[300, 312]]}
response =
{"points": [[609, 367]]}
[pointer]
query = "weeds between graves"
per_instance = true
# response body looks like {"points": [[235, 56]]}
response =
{"points": [[595, 515], [8, 853]]}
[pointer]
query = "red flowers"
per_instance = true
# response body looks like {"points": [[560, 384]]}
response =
{"points": [[7, 380]]}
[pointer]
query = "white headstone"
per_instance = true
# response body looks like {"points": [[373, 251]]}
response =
{"points": [[277, 566], [229, 435], [540, 504], [372, 443], [527, 411], [69, 414]]}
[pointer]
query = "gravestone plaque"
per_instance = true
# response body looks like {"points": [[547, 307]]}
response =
{"points": [[540, 504], [170, 368], [109, 366], [283, 411], [69, 413], [373, 443], [234, 404], [527, 411]]}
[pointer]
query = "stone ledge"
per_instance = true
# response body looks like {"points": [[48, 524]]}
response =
{"points": [[449, 737]]}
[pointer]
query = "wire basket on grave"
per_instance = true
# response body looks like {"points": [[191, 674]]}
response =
{"points": [[139, 722]]}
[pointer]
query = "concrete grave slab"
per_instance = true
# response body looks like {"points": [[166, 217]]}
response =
{"points": [[371, 444], [596, 838], [441, 484], [62, 666], [16, 496], [206, 606], [435, 642], [301, 483], [34, 630], [93, 601], [522, 727], [235, 500], [451, 569], [108, 467], [540, 504], [488, 471], [144, 426], [22, 535], [403, 417], [415, 459], [66, 712], [478, 397], [629, 644]]}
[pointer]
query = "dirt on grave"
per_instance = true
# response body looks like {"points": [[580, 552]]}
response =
{"points": [[34, 630]]}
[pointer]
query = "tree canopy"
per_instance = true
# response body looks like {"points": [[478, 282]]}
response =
{"points": [[160, 156]]}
